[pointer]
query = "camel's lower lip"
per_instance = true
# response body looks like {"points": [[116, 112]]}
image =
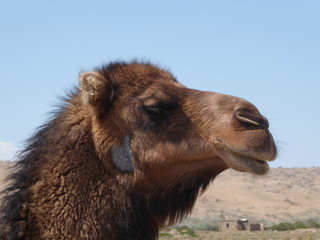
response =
{"points": [[244, 163]]}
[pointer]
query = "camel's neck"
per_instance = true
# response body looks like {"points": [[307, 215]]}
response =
{"points": [[169, 204], [156, 207], [61, 189]]}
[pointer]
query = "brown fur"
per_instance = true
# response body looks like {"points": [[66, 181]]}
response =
{"points": [[129, 151]]}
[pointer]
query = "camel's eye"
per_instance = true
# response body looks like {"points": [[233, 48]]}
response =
{"points": [[157, 113], [154, 111]]}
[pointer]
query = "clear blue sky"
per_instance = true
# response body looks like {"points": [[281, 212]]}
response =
{"points": [[265, 51]]}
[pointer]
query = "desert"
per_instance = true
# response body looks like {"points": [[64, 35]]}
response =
{"points": [[285, 194]]}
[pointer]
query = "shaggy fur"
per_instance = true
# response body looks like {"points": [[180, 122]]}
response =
{"points": [[127, 153]]}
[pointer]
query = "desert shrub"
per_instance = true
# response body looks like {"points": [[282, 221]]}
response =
{"points": [[282, 226], [173, 232], [285, 226], [211, 227], [165, 235], [312, 223], [208, 224], [299, 225], [185, 230]]}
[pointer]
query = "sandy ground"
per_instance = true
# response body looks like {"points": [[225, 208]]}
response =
{"points": [[301, 234], [285, 194]]}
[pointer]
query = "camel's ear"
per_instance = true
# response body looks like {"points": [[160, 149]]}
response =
{"points": [[95, 89]]}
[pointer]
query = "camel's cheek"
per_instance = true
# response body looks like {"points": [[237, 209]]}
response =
{"points": [[122, 156]]}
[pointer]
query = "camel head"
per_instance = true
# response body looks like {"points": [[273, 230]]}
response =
{"points": [[161, 130]]}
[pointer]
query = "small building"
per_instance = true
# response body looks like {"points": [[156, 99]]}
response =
{"points": [[228, 226], [239, 225], [256, 227]]}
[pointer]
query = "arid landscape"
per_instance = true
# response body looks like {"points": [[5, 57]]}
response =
{"points": [[284, 195]]}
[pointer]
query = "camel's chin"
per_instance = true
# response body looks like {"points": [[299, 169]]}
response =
{"points": [[243, 163]]}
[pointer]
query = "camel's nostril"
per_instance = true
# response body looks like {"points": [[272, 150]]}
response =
{"points": [[252, 119], [247, 120]]}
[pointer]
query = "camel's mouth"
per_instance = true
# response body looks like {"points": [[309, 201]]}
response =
{"points": [[242, 162]]}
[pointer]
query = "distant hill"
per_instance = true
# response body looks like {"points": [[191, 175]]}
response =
{"points": [[285, 194]]}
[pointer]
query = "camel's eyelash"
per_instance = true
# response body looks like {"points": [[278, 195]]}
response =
{"points": [[159, 109], [154, 110]]}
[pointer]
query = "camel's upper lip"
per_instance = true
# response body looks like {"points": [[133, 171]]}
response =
{"points": [[242, 162]]}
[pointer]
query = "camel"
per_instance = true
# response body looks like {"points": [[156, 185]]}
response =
{"points": [[127, 153]]}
